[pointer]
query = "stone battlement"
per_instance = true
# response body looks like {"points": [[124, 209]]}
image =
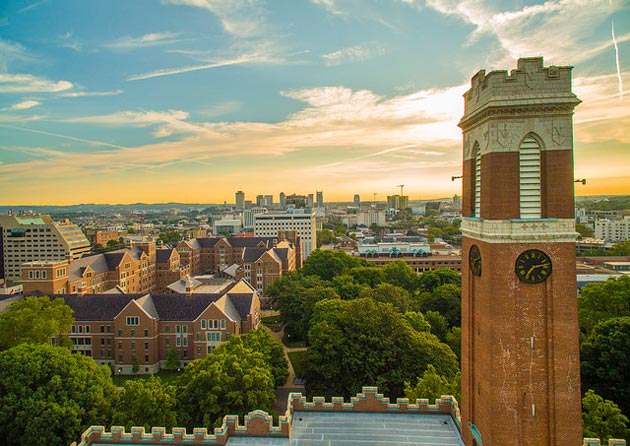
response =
{"points": [[530, 84]]}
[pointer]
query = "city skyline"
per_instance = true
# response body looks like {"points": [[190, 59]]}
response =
{"points": [[191, 100]]}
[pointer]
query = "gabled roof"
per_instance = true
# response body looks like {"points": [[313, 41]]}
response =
{"points": [[113, 259], [163, 255], [227, 307], [282, 253], [146, 302], [208, 242], [179, 307], [250, 255], [97, 307], [97, 263], [252, 242]]}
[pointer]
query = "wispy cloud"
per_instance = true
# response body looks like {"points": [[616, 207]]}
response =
{"points": [[526, 31], [356, 53], [23, 83], [188, 69], [31, 6], [24, 105], [147, 40], [66, 40], [59, 135], [241, 18], [80, 94]]}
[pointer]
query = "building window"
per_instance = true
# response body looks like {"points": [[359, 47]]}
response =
{"points": [[184, 328], [133, 332], [87, 328], [120, 346], [203, 324], [146, 333], [146, 345], [222, 324], [178, 342], [146, 358], [132, 320], [168, 341], [119, 332], [185, 342], [102, 328], [529, 177], [177, 328], [198, 351], [168, 329], [477, 182]]}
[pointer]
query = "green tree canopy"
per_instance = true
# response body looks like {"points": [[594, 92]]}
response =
{"points": [[145, 402], [600, 301], [445, 299], [387, 293], [362, 342], [621, 249], [430, 280], [432, 386], [261, 341], [328, 264], [438, 323], [603, 419], [225, 382], [34, 320], [347, 288], [49, 395], [368, 275], [605, 355], [400, 274]]}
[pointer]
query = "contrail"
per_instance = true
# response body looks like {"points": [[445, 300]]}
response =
{"points": [[72, 138], [614, 38]]}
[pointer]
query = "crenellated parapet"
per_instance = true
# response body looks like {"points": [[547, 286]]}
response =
{"points": [[369, 400], [257, 424], [530, 85], [596, 442]]}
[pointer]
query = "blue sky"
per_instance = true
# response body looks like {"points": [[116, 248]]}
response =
{"points": [[191, 100]]}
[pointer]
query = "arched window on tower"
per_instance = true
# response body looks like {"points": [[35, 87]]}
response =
{"points": [[477, 183], [529, 174]]}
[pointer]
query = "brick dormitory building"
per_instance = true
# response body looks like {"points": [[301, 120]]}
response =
{"points": [[134, 332]]}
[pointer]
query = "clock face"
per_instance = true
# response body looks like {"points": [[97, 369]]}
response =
{"points": [[474, 259], [533, 266]]}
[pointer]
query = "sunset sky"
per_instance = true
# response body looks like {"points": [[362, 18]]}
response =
{"points": [[125, 101]]}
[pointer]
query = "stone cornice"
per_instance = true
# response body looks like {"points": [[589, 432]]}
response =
{"points": [[520, 231], [500, 109]]}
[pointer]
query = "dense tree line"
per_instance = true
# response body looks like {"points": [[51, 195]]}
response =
{"points": [[49, 395], [604, 314], [366, 325]]}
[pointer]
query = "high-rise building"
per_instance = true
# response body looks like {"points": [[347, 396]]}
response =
{"points": [[457, 201], [248, 216], [260, 201], [612, 230], [269, 225], [26, 238], [283, 199], [357, 200], [520, 355], [320, 198], [240, 199], [310, 201], [268, 200], [400, 202]]}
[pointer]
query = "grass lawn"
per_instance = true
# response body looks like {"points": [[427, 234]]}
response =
{"points": [[289, 343], [271, 320], [167, 376], [297, 361]]}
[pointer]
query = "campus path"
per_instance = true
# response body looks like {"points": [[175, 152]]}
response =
{"points": [[282, 392]]}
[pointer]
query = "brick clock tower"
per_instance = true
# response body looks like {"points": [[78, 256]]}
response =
{"points": [[520, 355]]}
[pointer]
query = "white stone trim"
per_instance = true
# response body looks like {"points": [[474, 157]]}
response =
{"points": [[520, 231]]}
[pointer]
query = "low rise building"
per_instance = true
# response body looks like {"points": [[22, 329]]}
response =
{"points": [[133, 333]]}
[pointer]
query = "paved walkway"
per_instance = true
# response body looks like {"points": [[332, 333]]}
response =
{"points": [[282, 392]]}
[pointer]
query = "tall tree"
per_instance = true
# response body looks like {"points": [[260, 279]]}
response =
{"points": [[600, 301], [34, 320], [605, 355], [432, 386], [226, 382], [328, 264], [145, 402], [603, 419], [393, 294], [430, 280], [361, 342], [49, 395], [261, 341], [445, 299], [400, 274]]}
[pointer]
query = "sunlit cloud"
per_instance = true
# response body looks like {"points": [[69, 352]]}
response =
{"points": [[27, 83], [242, 18], [355, 53], [24, 105], [80, 94], [144, 41], [525, 32]]}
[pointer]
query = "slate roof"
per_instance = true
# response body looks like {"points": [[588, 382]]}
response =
{"points": [[242, 303], [178, 307], [113, 259], [208, 242], [163, 255], [97, 262], [97, 307], [252, 242], [282, 253], [250, 255]]}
